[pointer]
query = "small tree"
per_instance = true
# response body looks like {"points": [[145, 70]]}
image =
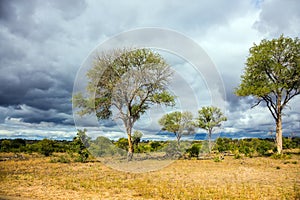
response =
{"points": [[272, 75], [80, 144], [208, 119], [179, 123], [136, 138], [128, 82]]}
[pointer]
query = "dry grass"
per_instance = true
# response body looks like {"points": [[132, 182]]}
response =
{"points": [[249, 178]]}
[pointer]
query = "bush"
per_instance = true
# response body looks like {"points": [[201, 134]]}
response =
{"points": [[122, 143], [194, 150], [224, 144], [5, 146], [45, 147], [155, 145]]}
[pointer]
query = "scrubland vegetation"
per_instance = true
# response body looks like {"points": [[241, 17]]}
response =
{"points": [[36, 177], [236, 169], [131, 81], [102, 146]]}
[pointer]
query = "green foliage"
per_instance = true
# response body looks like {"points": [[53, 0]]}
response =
{"points": [[140, 75], [6, 145], [281, 156], [247, 147], [145, 148], [136, 138], [155, 145], [217, 159], [209, 118], [103, 146], [194, 150], [272, 67], [291, 143], [128, 82], [224, 144], [272, 75], [46, 147], [16, 145], [79, 146], [122, 143]]}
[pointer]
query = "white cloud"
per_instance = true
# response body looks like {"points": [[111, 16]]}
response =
{"points": [[279, 17]]}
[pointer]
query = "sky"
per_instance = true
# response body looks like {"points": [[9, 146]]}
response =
{"points": [[44, 44]]}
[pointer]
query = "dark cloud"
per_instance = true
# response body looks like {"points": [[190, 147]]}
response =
{"points": [[35, 88], [44, 42], [17, 16], [33, 115], [32, 67]]}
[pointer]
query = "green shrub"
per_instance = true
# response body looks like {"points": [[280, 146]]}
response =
{"points": [[5, 145], [45, 147], [194, 150], [217, 159], [122, 143], [155, 145]]}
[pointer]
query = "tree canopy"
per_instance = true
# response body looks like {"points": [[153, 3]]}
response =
{"points": [[272, 75], [126, 82], [179, 123], [209, 118]]}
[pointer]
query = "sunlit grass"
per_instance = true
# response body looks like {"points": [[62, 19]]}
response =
{"points": [[247, 178]]}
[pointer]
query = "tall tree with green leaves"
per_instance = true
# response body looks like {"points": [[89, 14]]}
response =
{"points": [[272, 75], [210, 118], [179, 123], [126, 83]]}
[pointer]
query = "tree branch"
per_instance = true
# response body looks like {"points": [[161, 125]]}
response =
{"points": [[259, 101], [272, 109]]}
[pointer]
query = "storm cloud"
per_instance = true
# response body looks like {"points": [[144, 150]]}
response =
{"points": [[43, 44]]}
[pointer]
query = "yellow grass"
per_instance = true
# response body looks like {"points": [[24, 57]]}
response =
{"points": [[248, 178]]}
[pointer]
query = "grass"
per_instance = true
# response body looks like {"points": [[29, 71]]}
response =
{"points": [[248, 178]]}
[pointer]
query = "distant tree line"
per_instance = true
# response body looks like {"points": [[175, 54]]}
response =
{"points": [[78, 150]]}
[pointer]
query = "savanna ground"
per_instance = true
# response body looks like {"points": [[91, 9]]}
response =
{"points": [[35, 177]]}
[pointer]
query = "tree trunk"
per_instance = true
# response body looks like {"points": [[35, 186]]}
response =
{"points": [[209, 140], [279, 133], [130, 145], [178, 136]]}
